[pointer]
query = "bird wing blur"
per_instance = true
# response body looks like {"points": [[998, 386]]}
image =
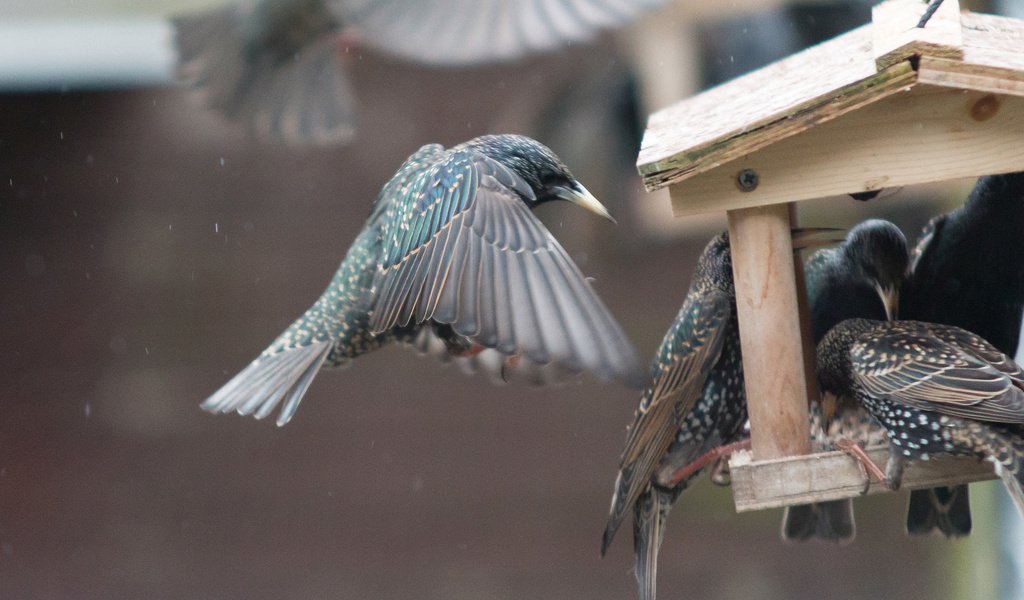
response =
{"points": [[457, 32], [271, 65], [941, 369], [274, 65], [691, 348], [461, 248]]}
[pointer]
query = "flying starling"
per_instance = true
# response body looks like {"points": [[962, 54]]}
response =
{"points": [[275, 65], [936, 389], [694, 403], [965, 260], [859, 278], [451, 247]]}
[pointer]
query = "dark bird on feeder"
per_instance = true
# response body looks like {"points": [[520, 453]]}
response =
{"points": [[451, 250], [859, 278], [936, 389], [275, 64], [968, 271], [694, 403]]}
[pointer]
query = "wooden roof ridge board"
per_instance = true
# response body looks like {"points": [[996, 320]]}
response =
{"points": [[814, 86]]}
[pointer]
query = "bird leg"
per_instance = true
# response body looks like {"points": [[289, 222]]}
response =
{"points": [[511, 361], [687, 470], [868, 468], [720, 472], [894, 469]]}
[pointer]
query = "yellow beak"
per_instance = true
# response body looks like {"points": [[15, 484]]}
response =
{"points": [[582, 197]]}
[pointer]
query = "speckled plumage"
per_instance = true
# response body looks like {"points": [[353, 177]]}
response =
{"points": [[694, 403], [968, 271], [844, 282], [451, 245], [936, 389]]}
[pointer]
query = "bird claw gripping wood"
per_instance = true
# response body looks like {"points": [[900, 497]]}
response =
{"points": [[867, 467], [720, 453]]}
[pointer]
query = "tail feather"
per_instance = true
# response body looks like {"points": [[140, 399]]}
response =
{"points": [[1012, 482], [261, 386], [947, 509], [830, 521], [649, 516]]}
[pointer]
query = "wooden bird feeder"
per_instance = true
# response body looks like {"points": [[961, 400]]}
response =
{"points": [[887, 104]]}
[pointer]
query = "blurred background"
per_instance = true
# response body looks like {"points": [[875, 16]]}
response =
{"points": [[149, 249]]}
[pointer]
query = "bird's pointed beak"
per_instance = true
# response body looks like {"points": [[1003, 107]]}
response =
{"points": [[812, 237], [890, 300], [579, 195]]}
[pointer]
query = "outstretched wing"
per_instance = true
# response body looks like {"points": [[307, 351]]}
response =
{"points": [[942, 369], [688, 353], [461, 247], [476, 31]]}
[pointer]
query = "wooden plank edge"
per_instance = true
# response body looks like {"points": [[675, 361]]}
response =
{"points": [[834, 475], [814, 111], [960, 75]]}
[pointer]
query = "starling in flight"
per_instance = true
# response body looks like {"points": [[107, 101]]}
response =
{"points": [[273, 64], [936, 389], [451, 249], [859, 278], [968, 271], [694, 403]]}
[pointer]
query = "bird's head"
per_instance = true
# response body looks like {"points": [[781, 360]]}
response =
{"points": [[715, 264], [541, 169], [877, 252]]}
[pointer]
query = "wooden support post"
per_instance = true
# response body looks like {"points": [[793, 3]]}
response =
{"points": [[766, 303]]}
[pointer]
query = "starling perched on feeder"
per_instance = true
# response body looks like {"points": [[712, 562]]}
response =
{"points": [[936, 389], [968, 271], [694, 403], [859, 278], [275, 65], [452, 250]]}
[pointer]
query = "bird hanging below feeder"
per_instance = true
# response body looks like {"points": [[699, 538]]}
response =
{"points": [[451, 250]]}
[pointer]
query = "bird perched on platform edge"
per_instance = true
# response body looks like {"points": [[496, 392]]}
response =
{"points": [[968, 271], [859, 278], [451, 249], [936, 389], [694, 403], [275, 64]]}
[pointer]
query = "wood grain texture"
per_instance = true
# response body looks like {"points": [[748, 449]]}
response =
{"points": [[923, 135], [767, 307], [834, 475], [810, 89]]}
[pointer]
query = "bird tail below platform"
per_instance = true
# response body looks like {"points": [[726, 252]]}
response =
{"points": [[830, 521], [650, 513], [272, 67], [946, 509]]}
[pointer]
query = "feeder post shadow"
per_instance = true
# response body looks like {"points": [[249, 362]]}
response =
{"points": [[771, 341]]}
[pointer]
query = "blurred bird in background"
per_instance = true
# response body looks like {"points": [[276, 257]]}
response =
{"points": [[968, 271], [859, 278], [274, 64], [451, 251]]}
